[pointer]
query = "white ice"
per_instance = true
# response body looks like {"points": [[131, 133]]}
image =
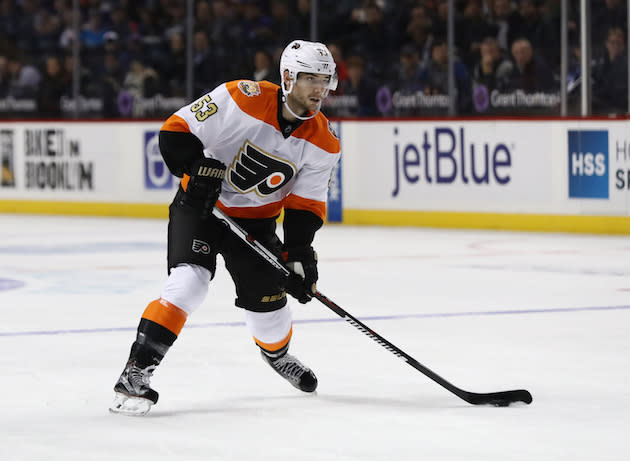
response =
{"points": [[488, 311]]}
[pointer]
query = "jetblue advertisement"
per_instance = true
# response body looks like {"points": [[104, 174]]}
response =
{"points": [[447, 166]]}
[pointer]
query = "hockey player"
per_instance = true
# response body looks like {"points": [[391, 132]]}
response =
{"points": [[252, 149]]}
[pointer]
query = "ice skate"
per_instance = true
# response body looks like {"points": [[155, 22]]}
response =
{"points": [[294, 371], [134, 396]]}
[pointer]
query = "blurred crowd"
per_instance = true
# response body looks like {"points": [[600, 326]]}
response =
{"points": [[397, 49]]}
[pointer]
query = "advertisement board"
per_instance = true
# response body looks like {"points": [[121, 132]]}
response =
{"points": [[83, 162], [463, 166], [570, 175], [596, 167]]}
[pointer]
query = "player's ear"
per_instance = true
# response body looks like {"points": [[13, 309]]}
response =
{"points": [[286, 79]]}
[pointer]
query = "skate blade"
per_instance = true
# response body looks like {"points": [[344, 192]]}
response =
{"points": [[130, 406]]}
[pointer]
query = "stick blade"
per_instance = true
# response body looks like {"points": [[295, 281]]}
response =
{"points": [[499, 399]]}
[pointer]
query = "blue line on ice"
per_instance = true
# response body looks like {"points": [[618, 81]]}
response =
{"points": [[328, 320]]}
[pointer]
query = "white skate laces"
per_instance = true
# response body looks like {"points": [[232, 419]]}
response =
{"points": [[134, 396], [291, 369]]}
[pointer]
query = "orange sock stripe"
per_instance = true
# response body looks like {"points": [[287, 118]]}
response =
{"points": [[166, 314], [275, 346]]}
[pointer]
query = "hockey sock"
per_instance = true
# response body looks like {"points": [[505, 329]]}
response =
{"points": [[275, 350], [159, 327], [166, 314], [271, 330]]}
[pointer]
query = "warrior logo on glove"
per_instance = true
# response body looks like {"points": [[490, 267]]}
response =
{"points": [[210, 172], [256, 170]]}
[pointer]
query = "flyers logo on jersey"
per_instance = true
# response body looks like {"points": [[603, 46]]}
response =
{"points": [[256, 170], [249, 88]]}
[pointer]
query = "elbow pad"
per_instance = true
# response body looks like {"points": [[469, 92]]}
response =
{"points": [[180, 151]]}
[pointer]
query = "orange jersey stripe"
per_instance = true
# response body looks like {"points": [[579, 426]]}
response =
{"points": [[252, 212], [316, 132], [271, 347], [296, 202], [175, 123], [166, 314], [262, 107]]}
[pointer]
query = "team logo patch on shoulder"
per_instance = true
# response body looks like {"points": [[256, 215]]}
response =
{"points": [[255, 170], [332, 130], [249, 88]]}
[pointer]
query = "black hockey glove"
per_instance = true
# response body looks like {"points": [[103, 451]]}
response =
{"points": [[302, 262], [204, 186]]}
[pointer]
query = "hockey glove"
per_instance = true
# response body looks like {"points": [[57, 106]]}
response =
{"points": [[204, 186], [302, 262]]}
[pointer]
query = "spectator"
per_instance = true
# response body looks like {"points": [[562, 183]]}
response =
{"points": [[112, 83], [175, 19], [147, 23], [66, 36], [282, 24], [492, 69], [362, 87], [440, 19], [610, 75], [419, 34], [89, 86], [372, 39], [173, 65], [205, 70], [256, 26], [605, 16], [505, 19], [8, 19], [93, 31], [113, 44], [47, 28], [121, 25], [24, 78], [337, 54], [410, 70], [25, 27], [529, 25], [302, 19], [136, 49], [203, 16], [141, 81], [435, 77], [264, 68], [4, 77], [530, 72], [471, 30], [152, 31], [226, 35], [51, 89], [550, 17]]}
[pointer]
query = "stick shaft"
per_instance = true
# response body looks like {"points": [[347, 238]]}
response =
{"points": [[504, 397]]}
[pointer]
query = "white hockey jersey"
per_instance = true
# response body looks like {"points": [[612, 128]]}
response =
{"points": [[237, 124]]}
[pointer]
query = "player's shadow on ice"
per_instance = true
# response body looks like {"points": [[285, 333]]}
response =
{"points": [[262, 404]]}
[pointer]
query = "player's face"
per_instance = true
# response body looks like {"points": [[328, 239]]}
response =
{"points": [[308, 92]]}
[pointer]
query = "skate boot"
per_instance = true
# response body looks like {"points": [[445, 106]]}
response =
{"points": [[134, 396], [293, 371]]}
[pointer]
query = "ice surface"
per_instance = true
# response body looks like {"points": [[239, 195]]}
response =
{"points": [[488, 311]]}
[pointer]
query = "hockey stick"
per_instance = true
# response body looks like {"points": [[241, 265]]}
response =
{"points": [[501, 399]]}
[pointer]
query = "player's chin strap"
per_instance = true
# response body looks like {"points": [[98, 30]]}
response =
{"points": [[286, 104]]}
